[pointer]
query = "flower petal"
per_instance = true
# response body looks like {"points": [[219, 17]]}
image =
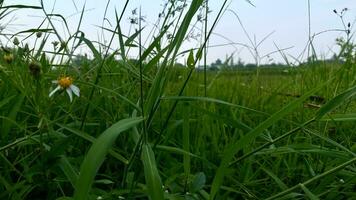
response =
{"points": [[54, 91], [75, 90], [55, 81], [69, 92]]}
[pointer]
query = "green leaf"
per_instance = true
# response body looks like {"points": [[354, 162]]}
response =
{"points": [[199, 54], [186, 141], [96, 156], [190, 61], [68, 170], [176, 150], [90, 138], [159, 83], [120, 35], [32, 31], [153, 180], [330, 141], [5, 101], [315, 178], [335, 102], [104, 182], [153, 61], [279, 182], [198, 182], [339, 117], [308, 192], [129, 40], [183, 28], [95, 52], [12, 115]]}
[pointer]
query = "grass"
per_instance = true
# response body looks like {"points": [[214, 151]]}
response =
{"points": [[146, 128]]}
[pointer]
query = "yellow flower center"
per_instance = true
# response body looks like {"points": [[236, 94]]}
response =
{"points": [[65, 82]]}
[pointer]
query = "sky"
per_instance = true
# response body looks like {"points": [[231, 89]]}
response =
{"points": [[279, 24]]}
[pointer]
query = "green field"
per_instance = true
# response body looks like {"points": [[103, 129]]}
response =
{"points": [[151, 129]]}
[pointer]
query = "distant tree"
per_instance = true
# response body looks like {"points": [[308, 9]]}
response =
{"points": [[250, 66], [232, 62], [218, 62], [216, 65], [240, 64]]}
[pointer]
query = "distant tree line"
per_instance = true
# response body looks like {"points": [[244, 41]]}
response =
{"points": [[230, 65], [217, 65]]}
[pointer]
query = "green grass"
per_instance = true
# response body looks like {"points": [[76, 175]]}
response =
{"points": [[148, 129]]}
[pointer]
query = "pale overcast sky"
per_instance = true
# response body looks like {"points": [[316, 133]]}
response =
{"points": [[287, 20]]}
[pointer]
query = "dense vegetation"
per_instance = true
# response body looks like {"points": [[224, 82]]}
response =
{"points": [[147, 128]]}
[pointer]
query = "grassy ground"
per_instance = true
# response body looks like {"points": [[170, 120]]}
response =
{"points": [[148, 129]]}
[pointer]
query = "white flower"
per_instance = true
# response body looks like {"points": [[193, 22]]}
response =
{"points": [[66, 83]]}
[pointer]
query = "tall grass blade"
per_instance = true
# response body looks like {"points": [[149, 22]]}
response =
{"points": [[6, 100], [91, 139], [159, 82], [96, 156], [335, 102], [16, 107], [153, 180], [131, 39], [279, 182], [309, 194], [233, 148], [95, 52], [68, 170], [33, 31], [186, 141]]}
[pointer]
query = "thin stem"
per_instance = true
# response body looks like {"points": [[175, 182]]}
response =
{"points": [[97, 78], [206, 46], [333, 170], [272, 142], [170, 113], [141, 80]]}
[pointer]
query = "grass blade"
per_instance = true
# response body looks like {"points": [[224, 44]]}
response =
{"points": [[90, 45], [96, 156], [279, 182], [186, 141], [335, 102], [131, 39], [339, 117], [21, 7], [6, 127], [333, 170], [68, 170], [310, 195], [232, 149], [153, 180]]}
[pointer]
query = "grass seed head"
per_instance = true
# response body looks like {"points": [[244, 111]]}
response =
{"points": [[55, 44], [63, 44], [39, 34], [16, 41], [35, 69]]}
